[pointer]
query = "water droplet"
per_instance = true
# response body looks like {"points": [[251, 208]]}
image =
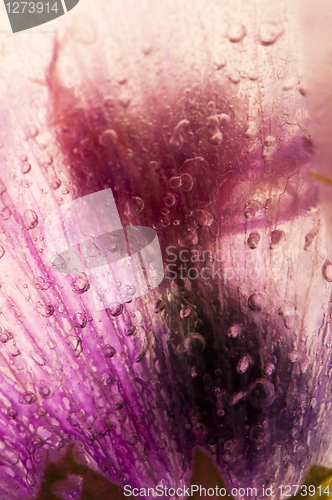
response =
{"points": [[235, 76], [80, 320], [261, 393], [194, 344], [270, 148], [115, 310], [216, 138], [234, 331], [269, 33], [236, 33], [224, 119], [45, 310], [276, 238], [244, 363], [253, 75], [27, 398], [251, 132], [309, 238], [256, 302], [108, 138], [109, 351], [134, 206], [5, 336], [25, 166], [269, 369], [253, 240], [169, 200], [80, 284], [185, 312], [31, 219], [327, 271]]}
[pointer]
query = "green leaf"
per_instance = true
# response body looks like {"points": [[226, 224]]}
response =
{"points": [[95, 485]]}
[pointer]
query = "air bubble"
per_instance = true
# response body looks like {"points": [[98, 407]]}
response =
{"points": [[41, 284], [253, 240], [244, 363], [327, 271], [31, 219], [108, 138], [261, 393], [175, 182], [80, 284], [130, 330], [115, 310], [25, 167], [276, 238], [12, 412], [256, 302], [234, 331], [109, 351], [5, 336], [169, 200], [187, 182], [27, 398], [134, 206], [188, 238], [45, 310], [80, 320], [194, 344]]}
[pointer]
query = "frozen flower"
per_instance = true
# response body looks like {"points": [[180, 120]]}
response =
{"points": [[194, 115]]}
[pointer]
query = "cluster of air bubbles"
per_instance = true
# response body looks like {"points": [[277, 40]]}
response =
{"points": [[184, 181]]}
